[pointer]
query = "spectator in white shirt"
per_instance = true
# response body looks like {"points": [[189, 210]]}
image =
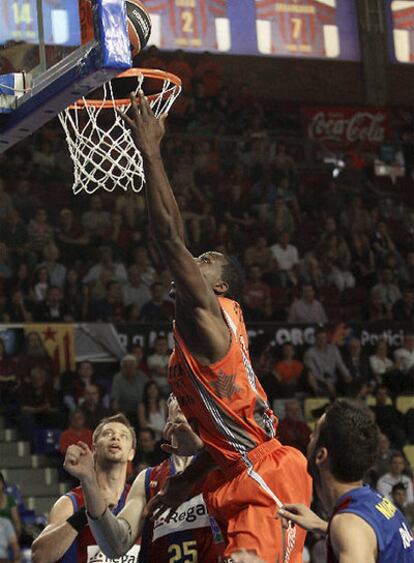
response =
{"points": [[286, 260], [140, 257], [394, 476], [9, 544], [135, 291], [56, 270], [307, 309], [158, 364], [96, 222], [118, 271], [404, 357], [390, 292], [382, 367], [324, 363]]}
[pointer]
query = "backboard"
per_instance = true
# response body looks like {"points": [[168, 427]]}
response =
{"points": [[66, 48]]}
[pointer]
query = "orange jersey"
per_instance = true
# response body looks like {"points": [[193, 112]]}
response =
{"points": [[224, 402]]}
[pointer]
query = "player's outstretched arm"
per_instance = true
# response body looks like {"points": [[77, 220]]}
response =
{"points": [[59, 534], [165, 217], [352, 539], [115, 535]]}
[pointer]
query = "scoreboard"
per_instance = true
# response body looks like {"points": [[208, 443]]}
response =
{"points": [[401, 26], [325, 29], [19, 22]]}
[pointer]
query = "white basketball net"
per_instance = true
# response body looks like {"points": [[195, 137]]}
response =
{"points": [[101, 145]]}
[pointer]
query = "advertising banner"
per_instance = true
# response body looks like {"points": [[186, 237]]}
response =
{"points": [[344, 126]]}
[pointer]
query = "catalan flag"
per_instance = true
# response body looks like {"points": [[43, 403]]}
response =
{"points": [[59, 341]]}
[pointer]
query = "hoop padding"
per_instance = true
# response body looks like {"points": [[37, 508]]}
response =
{"points": [[100, 143]]}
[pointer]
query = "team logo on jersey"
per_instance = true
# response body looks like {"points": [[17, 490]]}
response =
{"points": [[406, 536], [225, 385], [188, 516], [95, 555]]}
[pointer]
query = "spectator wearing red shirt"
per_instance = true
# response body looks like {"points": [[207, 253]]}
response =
{"points": [[292, 430], [289, 371], [257, 295], [76, 432]]}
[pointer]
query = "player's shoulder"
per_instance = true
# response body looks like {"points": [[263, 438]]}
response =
{"points": [[149, 479], [352, 536], [63, 508], [347, 526]]}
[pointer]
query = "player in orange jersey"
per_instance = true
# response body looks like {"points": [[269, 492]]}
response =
{"points": [[244, 472]]}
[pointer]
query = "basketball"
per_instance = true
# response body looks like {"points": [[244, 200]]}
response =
{"points": [[139, 25]]}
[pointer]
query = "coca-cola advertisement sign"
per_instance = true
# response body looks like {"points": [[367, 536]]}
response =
{"points": [[347, 125]]}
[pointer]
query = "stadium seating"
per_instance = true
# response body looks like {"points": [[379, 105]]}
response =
{"points": [[46, 440], [312, 403], [409, 454], [404, 403]]}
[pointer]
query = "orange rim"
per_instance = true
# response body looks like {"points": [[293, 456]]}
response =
{"points": [[131, 72]]}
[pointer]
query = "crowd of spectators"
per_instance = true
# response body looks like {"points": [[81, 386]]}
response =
{"points": [[36, 396], [75, 402], [312, 248]]}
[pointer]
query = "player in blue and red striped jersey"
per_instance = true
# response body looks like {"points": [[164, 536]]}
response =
{"points": [[189, 535], [364, 527], [191, 531], [67, 537], [305, 28], [189, 24]]}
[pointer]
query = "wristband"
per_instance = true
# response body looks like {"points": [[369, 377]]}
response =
{"points": [[78, 520]]}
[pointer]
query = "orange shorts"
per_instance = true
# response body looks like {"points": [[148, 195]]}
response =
{"points": [[244, 504]]}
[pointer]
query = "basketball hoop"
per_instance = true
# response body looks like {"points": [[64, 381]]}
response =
{"points": [[100, 143]]}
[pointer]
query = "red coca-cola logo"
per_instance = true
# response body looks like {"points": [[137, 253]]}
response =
{"points": [[357, 126]]}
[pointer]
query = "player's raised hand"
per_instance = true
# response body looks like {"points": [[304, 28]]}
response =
{"points": [[303, 516], [79, 461], [148, 131], [184, 441]]}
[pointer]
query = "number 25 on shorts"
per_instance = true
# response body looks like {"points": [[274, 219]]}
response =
{"points": [[184, 553]]}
